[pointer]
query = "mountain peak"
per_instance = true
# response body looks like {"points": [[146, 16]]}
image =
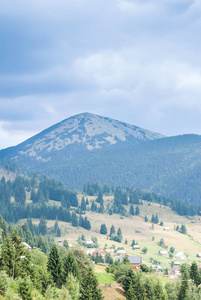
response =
{"points": [[82, 132]]}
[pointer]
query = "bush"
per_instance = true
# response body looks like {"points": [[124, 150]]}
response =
{"points": [[3, 282]]}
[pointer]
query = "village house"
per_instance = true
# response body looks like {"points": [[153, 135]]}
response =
{"points": [[99, 252], [121, 252], [136, 247], [177, 263], [163, 252], [135, 261], [199, 255], [156, 267], [89, 243], [175, 271], [181, 255]]}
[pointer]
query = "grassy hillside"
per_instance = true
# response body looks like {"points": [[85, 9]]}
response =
{"points": [[147, 237]]}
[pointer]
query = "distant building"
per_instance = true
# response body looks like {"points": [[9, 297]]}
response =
{"points": [[99, 252], [177, 263], [156, 267], [166, 228], [175, 271], [181, 255], [89, 243], [135, 247], [135, 261], [121, 252], [163, 252], [27, 246], [193, 221], [199, 255]]}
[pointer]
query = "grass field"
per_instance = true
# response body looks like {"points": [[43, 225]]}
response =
{"points": [[190, 243]]}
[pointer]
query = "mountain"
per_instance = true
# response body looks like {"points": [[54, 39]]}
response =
{"points": [[93, 148], [80, 133]]}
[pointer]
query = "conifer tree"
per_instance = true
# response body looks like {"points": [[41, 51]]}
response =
{"points": [[112, 230], [70, 266], [89, 287], [54, 265], [25, 289], [103, 229], [194, 274], [132, 212], [184, 285], [83, 204], [137, 210]]}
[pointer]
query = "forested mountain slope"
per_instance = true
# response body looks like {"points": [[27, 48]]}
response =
{"points": [[92, 148]]}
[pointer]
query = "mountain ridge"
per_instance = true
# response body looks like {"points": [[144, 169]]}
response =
{"points": [[87, 147]]}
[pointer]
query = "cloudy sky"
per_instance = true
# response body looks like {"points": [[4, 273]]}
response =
{"points": [[137, 61]]}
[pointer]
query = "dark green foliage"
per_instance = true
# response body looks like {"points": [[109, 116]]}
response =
{"points": [[137, 210], [3, 282], [183, 229], [15, 257], [118, 237], [70, 266], [134, 197], [133, 286], [112, 230], [184, 285], [103, 229], [93, 206], [25, 289], [194, 274], [172, 249], [100, 198], [83, 204], [54, 265], [154, 219], [132, 212], [144, 268], [89, 287], [19, 190], [42, 226], [84, 222], [74, 220], [145, 219]]}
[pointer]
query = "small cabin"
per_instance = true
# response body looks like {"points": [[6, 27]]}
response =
{"points": [[99, 252], [135, 261], [181, 255], [136, 247], [166, 228], [163, 252], [121, 252]]}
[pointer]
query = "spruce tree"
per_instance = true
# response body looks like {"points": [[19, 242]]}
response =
{"points": [[89, 287], [103, 229], [112, 230], [137, 210], [194, 274], [184, 285], [54, 265], [25, 289], [70, 266], [132, 212]]}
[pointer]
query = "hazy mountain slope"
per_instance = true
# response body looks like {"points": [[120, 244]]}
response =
{"points": [[170, 166], [77, 134], [92, 148]]}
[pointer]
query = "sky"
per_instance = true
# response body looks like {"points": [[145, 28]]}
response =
{"points": [[137, 61]]}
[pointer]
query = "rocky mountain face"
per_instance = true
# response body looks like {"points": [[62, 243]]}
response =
{"points": [[80, 133]]}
